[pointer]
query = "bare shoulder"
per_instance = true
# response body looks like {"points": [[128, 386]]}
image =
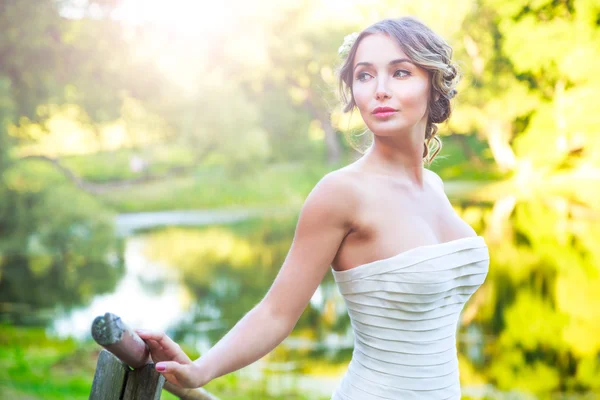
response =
{"points": [[434, 178], [324, 221], [335, 196], [342, 182]]}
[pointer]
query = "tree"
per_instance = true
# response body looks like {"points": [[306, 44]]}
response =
{"points": [[301, 82], [53, 236], [528, 80]]}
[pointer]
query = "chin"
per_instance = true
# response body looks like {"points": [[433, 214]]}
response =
{"points": [[387, 129]]}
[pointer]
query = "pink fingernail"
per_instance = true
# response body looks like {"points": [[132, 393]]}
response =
{"points": [[161, 367]]}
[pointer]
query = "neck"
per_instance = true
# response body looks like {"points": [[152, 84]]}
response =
{"points": [[398, 156]]}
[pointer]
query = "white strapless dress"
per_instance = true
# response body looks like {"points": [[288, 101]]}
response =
{"points": [[404, 312]]}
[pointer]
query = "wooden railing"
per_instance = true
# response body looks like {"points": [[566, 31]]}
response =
{"points": [[125, 370]]}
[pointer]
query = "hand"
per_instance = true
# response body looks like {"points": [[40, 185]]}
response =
{"points": [[171, 361]]}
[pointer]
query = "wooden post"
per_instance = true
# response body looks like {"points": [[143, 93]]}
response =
{"points": [[145, 382], [114, 381], [111, 332], [109, 379]]}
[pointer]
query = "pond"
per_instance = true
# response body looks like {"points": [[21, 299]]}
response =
{"points": [[532, 328]]}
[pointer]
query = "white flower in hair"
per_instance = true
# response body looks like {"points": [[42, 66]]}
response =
{"points": [[347, 45]]}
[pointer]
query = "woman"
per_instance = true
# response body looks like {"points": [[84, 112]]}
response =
{"points": [[403, 260]]}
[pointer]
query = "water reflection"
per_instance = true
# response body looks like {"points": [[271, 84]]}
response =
{"points": [[538, 313], [228, 269], [56, 263], [146, 290]]}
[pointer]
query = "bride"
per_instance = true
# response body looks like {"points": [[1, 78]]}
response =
{"points": [[403, 260]]}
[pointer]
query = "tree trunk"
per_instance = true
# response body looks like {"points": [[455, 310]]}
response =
{"points": [[498, 134], [332, 143], [334, 150]]}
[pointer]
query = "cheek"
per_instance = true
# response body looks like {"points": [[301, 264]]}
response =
{"points": [[414, 95], [362, 96]]}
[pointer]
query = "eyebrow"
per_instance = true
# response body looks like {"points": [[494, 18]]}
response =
{"points": [[393, 62]]}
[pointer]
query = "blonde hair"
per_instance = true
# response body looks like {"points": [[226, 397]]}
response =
{"points": [[426, 49]]}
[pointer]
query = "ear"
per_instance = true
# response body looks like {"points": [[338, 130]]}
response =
{"points": [[436, 96]]}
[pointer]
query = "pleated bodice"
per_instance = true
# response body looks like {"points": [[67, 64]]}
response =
{"points": [[404, 312]]}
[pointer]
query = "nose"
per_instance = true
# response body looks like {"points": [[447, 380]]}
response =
{"points": [[382, 92]]}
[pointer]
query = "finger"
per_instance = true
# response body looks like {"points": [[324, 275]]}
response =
{"points": [[154, 346], [164, 340], [181, 375], [165, 345], [171, 368], [148, 334]]}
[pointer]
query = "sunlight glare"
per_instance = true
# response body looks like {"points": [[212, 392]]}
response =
{"points": [[181, 16]]}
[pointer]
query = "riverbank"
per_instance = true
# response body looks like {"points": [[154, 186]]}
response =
{"points": [[275, 187]]}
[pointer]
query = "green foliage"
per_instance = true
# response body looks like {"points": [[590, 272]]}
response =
{"points": [[113, 166], [55, 59], [6, 117], [55, 238], [561, 51], [540, 307], [526, 98], [35, 366], [465, 158], [283, 185], [219, 123]]}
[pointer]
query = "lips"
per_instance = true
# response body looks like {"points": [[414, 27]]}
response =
{"points": [[379, 110], [383, 112]]}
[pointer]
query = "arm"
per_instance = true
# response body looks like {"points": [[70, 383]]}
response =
{"points": [[324, 221]]}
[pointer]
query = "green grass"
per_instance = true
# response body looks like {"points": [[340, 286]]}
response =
{"points": [[111, 166], [218, 186], [215, 187], [34, 366], [275, 185]]}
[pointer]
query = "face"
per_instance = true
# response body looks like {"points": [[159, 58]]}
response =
{"points": [[389, 90]]}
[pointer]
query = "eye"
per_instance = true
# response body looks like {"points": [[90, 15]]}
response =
{"points": [[363, 77], [401, 73]]}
